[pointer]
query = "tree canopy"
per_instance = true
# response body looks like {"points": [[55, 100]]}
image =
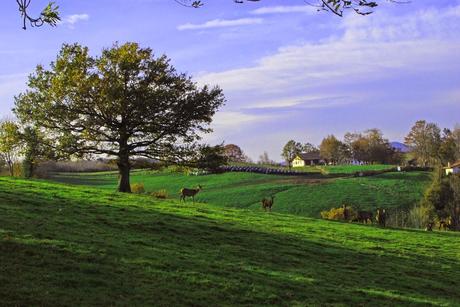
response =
{"points": [[125, 103]]}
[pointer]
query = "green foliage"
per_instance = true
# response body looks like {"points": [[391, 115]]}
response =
{"points": [[330, 148], [94, 247], [425, 140], [123, 103], [338, 214], [442, 199], [211, 158], [138, 188], [290, 151]]}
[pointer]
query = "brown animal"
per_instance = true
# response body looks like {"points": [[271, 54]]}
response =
{"points": [[267, 203], [429, 226], [346, 212], [443, 225], [363, 217], [381, 217], [190, 193]]}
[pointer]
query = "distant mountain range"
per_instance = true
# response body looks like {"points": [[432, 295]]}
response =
{"points": [[400, 146]]}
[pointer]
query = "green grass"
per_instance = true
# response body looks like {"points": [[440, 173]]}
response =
{"points": [[74, 245], [296, 195]]}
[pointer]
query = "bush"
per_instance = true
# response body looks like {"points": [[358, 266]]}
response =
{"points": [[138, 188], [337, 214], [161, 194]]}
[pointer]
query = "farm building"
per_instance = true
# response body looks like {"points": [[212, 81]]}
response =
{"points": [[453, 168], [305, 159]]}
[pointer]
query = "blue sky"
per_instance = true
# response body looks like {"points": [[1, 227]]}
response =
{"points": [[287, 71]]}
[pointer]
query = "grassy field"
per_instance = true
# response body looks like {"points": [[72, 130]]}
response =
{"points": [[297, 195], [70, 245]]}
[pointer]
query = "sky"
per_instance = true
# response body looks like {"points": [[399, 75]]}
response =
{"points": [[287, 71]]}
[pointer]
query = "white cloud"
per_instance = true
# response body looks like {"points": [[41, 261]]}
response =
{"points": [[383, 70], [369, 50], [221, 23], [71, 20], [284, 9]]}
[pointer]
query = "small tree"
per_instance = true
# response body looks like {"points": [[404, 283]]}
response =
{"points": [[125, 103], [234, 153], [309, 148], [330, 148], [34, 150], [10, 144], [211, 158], [265, 159], [290, 151], [425, 139]]}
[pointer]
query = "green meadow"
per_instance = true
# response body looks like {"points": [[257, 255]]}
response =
{"points": [[76, 245], [301, 195]]}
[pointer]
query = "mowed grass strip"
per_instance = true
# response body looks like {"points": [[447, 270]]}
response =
{"points": [[296, 195], [67, 245]]}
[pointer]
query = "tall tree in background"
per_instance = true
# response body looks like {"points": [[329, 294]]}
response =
{"points": [[34, 150], [265, 159], [125, 103], [10, 144], [290, 151], [358, 146], [456, 138], [309, 148], [424, 139], [234, 153], [448, 147], [330, 148]]}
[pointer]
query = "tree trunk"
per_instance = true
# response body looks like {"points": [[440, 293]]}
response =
{"points": [[123, 171], [11, 168]]}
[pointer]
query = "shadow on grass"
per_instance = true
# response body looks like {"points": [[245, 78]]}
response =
{"points": [[103, 255]]}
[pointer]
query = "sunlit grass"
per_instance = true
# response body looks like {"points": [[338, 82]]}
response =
{"points": [[65, 245], [297, 195]]}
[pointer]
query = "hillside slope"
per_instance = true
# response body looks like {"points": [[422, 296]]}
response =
{"points": [[65, 245], [296, 195]]}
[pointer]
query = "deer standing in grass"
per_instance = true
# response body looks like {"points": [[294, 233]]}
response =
{"points": [[190, 193], [267, 203]]}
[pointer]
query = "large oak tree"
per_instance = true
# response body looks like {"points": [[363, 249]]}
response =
{"points": [[124, 103]]}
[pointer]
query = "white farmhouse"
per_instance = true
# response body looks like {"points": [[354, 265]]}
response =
{"points": [[453, 168]]}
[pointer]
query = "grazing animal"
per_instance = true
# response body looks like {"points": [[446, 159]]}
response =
{"points": [[443, 225], [381, 217], [364, 217], [190, 193], [429, 226], [267, 203], [346, 212]]}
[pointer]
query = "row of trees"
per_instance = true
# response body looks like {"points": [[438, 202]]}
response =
{"points": [[432, 147], [425, 141], [369, 146]]}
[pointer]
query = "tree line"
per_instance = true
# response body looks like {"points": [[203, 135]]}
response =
{"points": [[427, 146]]}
